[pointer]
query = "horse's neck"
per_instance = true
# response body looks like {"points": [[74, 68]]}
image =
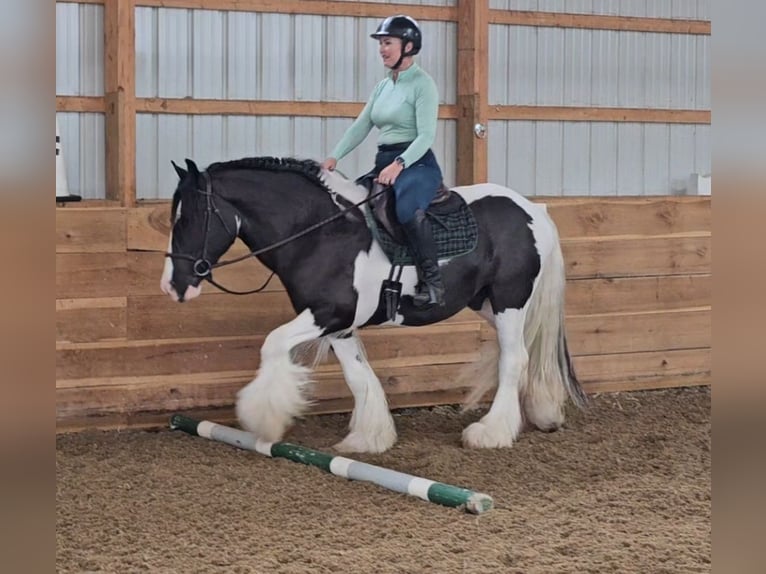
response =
{"points": [[277, 209]]}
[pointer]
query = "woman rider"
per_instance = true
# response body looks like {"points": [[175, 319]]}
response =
{"points": [[404, 106]]}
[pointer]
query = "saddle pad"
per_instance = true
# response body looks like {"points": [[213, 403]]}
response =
{"points": [[455, 233]]}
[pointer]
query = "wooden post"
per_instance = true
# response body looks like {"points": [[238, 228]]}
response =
{"points": [[120, 99], [472, 87]]}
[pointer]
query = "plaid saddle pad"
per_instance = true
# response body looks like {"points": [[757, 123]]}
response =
{"points": [[455, 233]]}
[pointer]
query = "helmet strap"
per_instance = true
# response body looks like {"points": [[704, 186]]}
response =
{"points": [[403, 54]]}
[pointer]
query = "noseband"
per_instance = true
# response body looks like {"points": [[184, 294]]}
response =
{"points": [[204, 269]]}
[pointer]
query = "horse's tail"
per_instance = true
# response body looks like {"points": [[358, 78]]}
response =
{"points": [[551, 372]]}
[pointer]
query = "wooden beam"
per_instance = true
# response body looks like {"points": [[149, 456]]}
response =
{"points": [[119, 98], [599, 114], [472, 89], [261, 108], [87, 104], [599, 22], [313, 7]]}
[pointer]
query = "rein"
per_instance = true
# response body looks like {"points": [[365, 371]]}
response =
{"points": [[204, 269]]}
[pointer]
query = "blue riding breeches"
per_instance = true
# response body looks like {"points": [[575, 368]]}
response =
{"points": [[415, 187]]}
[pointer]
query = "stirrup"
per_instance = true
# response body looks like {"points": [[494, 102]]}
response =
{"points": [[426, 295]]}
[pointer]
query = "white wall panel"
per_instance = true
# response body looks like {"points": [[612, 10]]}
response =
{"points": [[630, 159], [702, 73], [631, 74], [656, 159], [596, 158], [83, 148], [682, 71], [208, 139], [578, 47], [174, 54], [682, 162], [309, 61], [576, 151], [605, 68], [207, 50], [550, 66], [658, 80], [243, 64], [79, 50], [603, 159], [147, 47], [682, 9], [277, 56], [549, 158]]}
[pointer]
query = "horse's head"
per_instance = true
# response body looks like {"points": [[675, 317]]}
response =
{"points": [[203, 227]]}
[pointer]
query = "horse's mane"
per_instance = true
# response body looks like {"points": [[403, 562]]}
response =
{"points": [[308, 168]]}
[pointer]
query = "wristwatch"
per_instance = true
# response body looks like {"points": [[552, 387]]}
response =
{"points": [[400, 160]]}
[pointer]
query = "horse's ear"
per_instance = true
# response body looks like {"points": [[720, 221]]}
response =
{"points": [[179, 170], [192, 167]]}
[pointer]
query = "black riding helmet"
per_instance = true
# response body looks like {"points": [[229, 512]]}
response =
{"points": [[402, 27]]}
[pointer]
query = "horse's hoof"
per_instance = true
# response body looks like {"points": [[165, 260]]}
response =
{"points": [[357, 443], [481, 435]]}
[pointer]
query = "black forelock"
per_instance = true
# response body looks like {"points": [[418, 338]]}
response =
{"points": [[185, 186], [308, 168]]}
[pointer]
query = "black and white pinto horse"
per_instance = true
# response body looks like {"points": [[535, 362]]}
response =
{"points": [[514, 279]]}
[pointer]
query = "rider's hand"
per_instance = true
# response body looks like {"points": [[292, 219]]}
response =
{"points": [[329, 164], [388, 175]]}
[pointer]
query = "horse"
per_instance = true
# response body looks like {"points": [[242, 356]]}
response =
{"points": [[306, 225]]}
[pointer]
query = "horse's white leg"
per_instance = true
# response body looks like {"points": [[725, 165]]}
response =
{"points": [[502, 424], [268, 404], [372, 426]]}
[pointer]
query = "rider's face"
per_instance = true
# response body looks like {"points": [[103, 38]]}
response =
{"points": [[390, 49]]}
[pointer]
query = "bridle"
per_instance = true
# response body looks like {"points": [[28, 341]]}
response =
{"points": [[202, 266]]}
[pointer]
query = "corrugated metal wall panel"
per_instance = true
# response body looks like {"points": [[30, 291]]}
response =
{"points": [[605, 68], [272, 57], [599, 158], [83, 147], [208, 62], [682, 9], [630, 159], [80, 72], [243, 51], [207, 139], [79, 50], [174, 54], [333, 59], [603, 159], [575, 178]]}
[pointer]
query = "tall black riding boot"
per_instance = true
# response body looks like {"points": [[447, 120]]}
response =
{"points": [[430, 290]]}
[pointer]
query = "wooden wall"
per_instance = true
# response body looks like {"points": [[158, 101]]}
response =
{"points": [[638, 307]]}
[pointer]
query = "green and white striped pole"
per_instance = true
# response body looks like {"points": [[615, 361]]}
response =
{"points": [[445, 494]]}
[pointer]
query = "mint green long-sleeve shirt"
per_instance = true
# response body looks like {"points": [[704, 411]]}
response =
{"points": [[404, 111]]}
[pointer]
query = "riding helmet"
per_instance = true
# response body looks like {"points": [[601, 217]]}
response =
{"points": [[403, 27]]}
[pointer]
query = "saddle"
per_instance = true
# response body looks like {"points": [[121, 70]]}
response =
{"points": [[453, 225]]}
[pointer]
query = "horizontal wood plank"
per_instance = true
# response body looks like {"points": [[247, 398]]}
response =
{"points": [[637, 256], [84, 320], [599, 22], [169, 356], [598, 114], [149, 225], [639, 332], [92, 275], [91, 230], [592, 217], [632, 294], [211, 315], [145, 270]]}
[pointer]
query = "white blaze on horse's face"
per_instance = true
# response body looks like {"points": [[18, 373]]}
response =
{"points": [[166, 282]]}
